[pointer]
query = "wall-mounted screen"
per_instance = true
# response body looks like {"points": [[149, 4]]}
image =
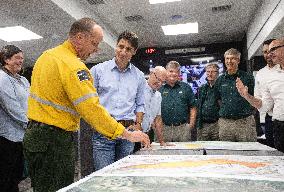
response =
{"points": [[195, 74]]}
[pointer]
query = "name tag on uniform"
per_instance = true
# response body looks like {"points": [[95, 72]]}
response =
{"points": [[165, 93], [83, 75]]}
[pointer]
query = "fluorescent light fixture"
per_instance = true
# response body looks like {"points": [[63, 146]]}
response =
{"points": [[200, 59], [180, 29], [161, 1], [17, 33]]}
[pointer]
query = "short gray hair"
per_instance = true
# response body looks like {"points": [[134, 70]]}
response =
{"points": [[233, 51], [173, 64], [214, 65]]}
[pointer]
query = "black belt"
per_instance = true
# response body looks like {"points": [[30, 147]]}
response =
{"points": [[126, 123], [33, 123], [209, 121], [236, 117], [176, 124]]}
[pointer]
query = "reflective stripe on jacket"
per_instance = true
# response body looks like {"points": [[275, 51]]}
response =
{"points": [[62, 90]]}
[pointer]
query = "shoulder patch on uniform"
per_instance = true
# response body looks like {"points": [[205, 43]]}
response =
{"points": [[83, 75]]}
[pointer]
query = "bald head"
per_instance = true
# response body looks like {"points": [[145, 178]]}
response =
{"points": [[157, 77], [159, 70], [81, 26], [85, 35], [276, 51]]}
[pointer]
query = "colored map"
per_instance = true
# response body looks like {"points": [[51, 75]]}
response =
{"points": [[231, 166], [173, 184], [182, 173], [215, 145]]}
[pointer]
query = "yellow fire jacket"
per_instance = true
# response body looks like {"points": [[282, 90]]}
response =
{"points": [[62, 91]]}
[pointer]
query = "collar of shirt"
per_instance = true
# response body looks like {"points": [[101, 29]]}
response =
{"points": [[279, 70], [16, 76], [277, 66], [177, 84], [237, 74], [114, 65], [149, 89], [69, 46]]}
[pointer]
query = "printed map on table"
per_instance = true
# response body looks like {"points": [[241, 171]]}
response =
{"points": [[183, 173], [214, 145], [233, 166], [172, 184]]}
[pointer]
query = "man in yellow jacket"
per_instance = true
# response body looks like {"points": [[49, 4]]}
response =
{"points": [[61, 92]]}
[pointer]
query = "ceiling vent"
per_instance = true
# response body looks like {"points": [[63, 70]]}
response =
{"points": [[222, 8], [134, 18], [96, 2], [217, 34]]}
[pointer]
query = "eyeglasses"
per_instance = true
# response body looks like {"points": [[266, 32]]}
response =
{"points": [[160, 80], [273, 49]]}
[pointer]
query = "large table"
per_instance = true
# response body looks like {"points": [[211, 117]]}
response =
{"points": [[212, 148], [206, 173]]}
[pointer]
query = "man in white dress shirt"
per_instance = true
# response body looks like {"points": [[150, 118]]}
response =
{"points": [[260, 80], [273, 94], [152, 117]]}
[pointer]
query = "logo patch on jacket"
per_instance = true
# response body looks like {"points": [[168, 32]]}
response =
{"points": [[83, 75]]}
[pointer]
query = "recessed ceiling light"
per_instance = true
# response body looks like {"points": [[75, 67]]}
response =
{"points": [[161, 1], [17, 33], [180, 29]]}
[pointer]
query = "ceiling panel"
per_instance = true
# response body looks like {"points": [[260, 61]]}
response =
{"points": [[50, 21]]}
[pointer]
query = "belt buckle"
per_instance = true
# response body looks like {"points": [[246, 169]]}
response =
{"points": [[176, 124]]}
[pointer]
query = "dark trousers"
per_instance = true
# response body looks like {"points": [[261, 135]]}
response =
{"points": [[278, 132], [50, 154], [269, 131], [151, 135], [11, 165]]}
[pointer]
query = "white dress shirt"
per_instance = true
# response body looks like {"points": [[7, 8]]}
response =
{"points": [[273, 94], [153, 101], [261, 79]]}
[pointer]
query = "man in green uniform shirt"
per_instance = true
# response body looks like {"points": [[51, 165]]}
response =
{"points": [[236, 122], [178, 106], [208, 107]]}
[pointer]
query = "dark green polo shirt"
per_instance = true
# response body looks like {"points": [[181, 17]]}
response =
{"points": [[176, 103], [233, 105], [208, 107]]}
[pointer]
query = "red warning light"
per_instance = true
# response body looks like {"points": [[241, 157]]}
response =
{"points": [[150, 51]]}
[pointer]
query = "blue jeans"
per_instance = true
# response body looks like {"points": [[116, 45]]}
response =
{"points": [[106, 151]]}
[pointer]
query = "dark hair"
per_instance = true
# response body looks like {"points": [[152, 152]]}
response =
{"points": [[7, 52], [82, 25], [129, 36], [268, 41]]}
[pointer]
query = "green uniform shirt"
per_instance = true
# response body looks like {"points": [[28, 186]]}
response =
{"points": [[233, 105], [176, 103], [208, 107]]}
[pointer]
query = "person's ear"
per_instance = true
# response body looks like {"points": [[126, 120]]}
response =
{"points": [[80, 37], [6, 61]]}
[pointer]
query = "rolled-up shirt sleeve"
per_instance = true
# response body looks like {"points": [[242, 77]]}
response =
{"points": [[10, 102], [267, 101], [140, 98]]}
